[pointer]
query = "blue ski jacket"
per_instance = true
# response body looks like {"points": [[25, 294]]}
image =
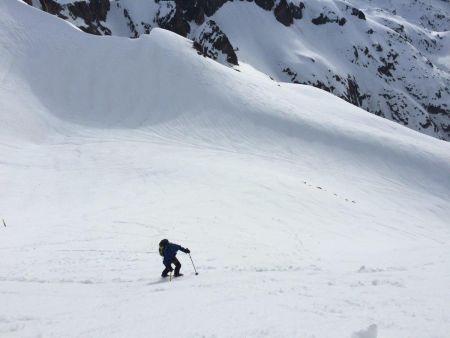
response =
{"points": [[170, 251]]}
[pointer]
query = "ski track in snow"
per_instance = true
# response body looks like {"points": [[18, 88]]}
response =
{"points": [[300, 225]]}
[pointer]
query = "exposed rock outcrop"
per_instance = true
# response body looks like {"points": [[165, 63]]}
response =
{"points": [[93, 13], [286, 12], [170, 17], [213, 43]]}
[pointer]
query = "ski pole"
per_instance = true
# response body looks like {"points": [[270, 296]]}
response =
{"points": [[193, 264], [170, 276]]}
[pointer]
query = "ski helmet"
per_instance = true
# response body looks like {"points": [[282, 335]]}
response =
{"points": [[162, 246]]}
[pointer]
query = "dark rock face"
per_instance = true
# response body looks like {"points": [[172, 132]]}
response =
{"points": [[195, 10], [192, 10], [211, 6], [212, 41], [170, 17], [286, 13], [283, 14], [358, 13], [92, 13], [435, 110], [95, 10], [297, 11], [323, 19], [51, 7], [130, 24], [179, 13], [265, 4], [353, 95]]}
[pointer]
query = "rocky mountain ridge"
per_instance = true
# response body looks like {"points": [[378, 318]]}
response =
{"points": [[388, 57]]}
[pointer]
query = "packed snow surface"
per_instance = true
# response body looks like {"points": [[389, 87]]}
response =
{"points": [[306, 216]]}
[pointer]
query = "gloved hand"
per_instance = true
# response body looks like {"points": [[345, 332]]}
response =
{"points": [[188, 251]]}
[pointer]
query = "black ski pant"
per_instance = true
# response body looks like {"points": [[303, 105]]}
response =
{"points": [[168, 269]]}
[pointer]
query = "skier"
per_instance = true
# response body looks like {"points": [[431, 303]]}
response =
{"points": [[169, 251]]}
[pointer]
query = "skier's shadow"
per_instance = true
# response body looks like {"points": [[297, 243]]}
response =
{"points": [[159, 281]]}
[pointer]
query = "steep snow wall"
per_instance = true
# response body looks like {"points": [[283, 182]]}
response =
{"points": [[387, 57]]}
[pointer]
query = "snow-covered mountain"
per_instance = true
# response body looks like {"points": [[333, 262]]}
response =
{"points": [[388, 57], [306, 216]]}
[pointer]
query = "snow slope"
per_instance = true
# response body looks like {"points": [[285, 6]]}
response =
{"points": [[388, 57], [306, 216]]}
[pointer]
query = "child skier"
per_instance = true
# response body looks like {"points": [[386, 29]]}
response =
{"points": [[169, 251]]}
